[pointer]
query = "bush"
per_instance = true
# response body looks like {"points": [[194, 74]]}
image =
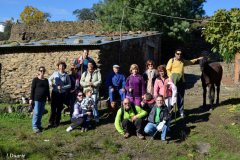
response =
{"points": [[7, 32]]}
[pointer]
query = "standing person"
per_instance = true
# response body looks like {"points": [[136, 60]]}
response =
{"points": [[75, 78], [161, 85], [159, 113], [175, 70], [116, 84], [149, 76], [82, 61], [78, 117], [60, 87], [39, 95], [135, 85], [91, 79], [129, 120]]}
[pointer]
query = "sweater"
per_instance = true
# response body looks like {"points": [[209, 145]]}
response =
{"points": [[177, 66], [64, 81], [159, 87], [116, 82], [95, 78], [78, 110], [40, 90], [137, 85], [127, 115]]}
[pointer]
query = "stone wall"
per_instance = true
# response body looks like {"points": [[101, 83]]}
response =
{"points": [[19, 65], [20, 31]]}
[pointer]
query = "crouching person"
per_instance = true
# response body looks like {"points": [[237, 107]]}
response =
{"points": [[79, 116], [159, 113], [128, 119]]}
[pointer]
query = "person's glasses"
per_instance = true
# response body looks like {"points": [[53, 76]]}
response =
{"points": [[80, 95], [150, 64], [74, 68], [126, 103], [42, 71], [179, 54]]}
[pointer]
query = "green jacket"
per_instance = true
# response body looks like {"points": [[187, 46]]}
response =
{"points": [[96, 80], [128, 115]]}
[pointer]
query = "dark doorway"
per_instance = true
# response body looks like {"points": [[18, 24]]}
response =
{"points": [[150, 53]]}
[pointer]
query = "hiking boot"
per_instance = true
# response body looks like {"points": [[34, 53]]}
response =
{"points": [[86, 129], [126, 135], [36, 130], [50, 125], [41, 128], [164, 141], [182, 115], [140, 136], [69, 129], [83, 129]]}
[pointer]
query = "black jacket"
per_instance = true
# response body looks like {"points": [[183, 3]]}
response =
{"points": [[163, 114]]}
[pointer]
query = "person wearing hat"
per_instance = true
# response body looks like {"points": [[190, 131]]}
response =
{"points": [[116, 84]]}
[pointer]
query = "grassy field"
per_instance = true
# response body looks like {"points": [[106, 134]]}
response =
{"points": [[220, 128]]}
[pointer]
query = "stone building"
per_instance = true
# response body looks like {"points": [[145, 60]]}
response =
{"points": [[19, 64]]}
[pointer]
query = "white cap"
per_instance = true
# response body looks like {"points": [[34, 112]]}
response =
{"points": [[115, 66]]}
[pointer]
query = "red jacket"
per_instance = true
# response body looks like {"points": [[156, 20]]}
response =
{"points": [[159, 87]]}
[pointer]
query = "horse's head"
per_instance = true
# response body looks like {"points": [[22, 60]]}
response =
{"points": [[203, 63]]}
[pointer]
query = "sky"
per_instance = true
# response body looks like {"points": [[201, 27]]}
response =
{"points": [[62, 9]]}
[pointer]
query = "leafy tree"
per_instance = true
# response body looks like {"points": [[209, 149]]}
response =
{"points": [[47, 16], [10, 21], [225, 37], [109, 14], [7, 32], [84, 14], [31, 15]]}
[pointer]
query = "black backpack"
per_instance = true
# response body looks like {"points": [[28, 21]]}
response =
{"points": [[133, 107]]}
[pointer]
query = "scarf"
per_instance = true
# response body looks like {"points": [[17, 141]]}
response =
{"points": [[150, 74], [76, 79]]}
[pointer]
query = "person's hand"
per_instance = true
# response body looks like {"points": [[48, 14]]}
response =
{"points": [[92, 106], [53, 85], [59, 87], [71, 91], [112, 89], [49, 101], [30, 102], [90, 83], [80, 87], [81, 62], [200, 58], [89, 113], [130, 89], [145, 82], [123, 90], [134, 118], [143, 97], [142, 103]]}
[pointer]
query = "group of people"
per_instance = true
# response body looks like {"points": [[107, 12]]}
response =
{"points": [[146, 100]]}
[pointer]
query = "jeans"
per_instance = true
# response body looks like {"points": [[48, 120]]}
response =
{"points": [[151, 128], [112, 95], [95, 109], [37, 115], [180, 97]]}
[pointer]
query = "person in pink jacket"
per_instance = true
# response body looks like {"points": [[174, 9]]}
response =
{"points": [[159, 85]]}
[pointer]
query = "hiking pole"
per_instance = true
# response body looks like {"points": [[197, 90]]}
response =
{"points": [[149, 141]]}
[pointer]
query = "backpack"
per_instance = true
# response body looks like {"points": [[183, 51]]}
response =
{"points": [[173, 60], [133, 107]]}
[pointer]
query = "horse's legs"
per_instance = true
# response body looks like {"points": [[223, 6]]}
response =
{"points": [[211, 95], [218, 90], [204, 95]]}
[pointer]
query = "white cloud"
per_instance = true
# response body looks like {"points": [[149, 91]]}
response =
{"points": [[54, 10]]}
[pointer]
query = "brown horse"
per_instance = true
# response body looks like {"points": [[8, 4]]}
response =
{"points": [[211, 75]]}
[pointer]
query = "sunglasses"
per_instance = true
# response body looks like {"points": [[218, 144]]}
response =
{"points": [[80, 95], [179, 54], [150, 64], [74, 68], [41, 70], [126, 103]]}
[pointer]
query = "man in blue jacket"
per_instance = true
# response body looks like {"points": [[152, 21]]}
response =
{"points": [[116, 84], [83, 60]]}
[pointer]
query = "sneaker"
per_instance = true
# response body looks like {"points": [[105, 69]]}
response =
{"points": [[83, 129], [182, 115], [126, 135], [69, 129], [97, 120], [50, 125], [140, 136], [36, 130], [86, 129]]}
